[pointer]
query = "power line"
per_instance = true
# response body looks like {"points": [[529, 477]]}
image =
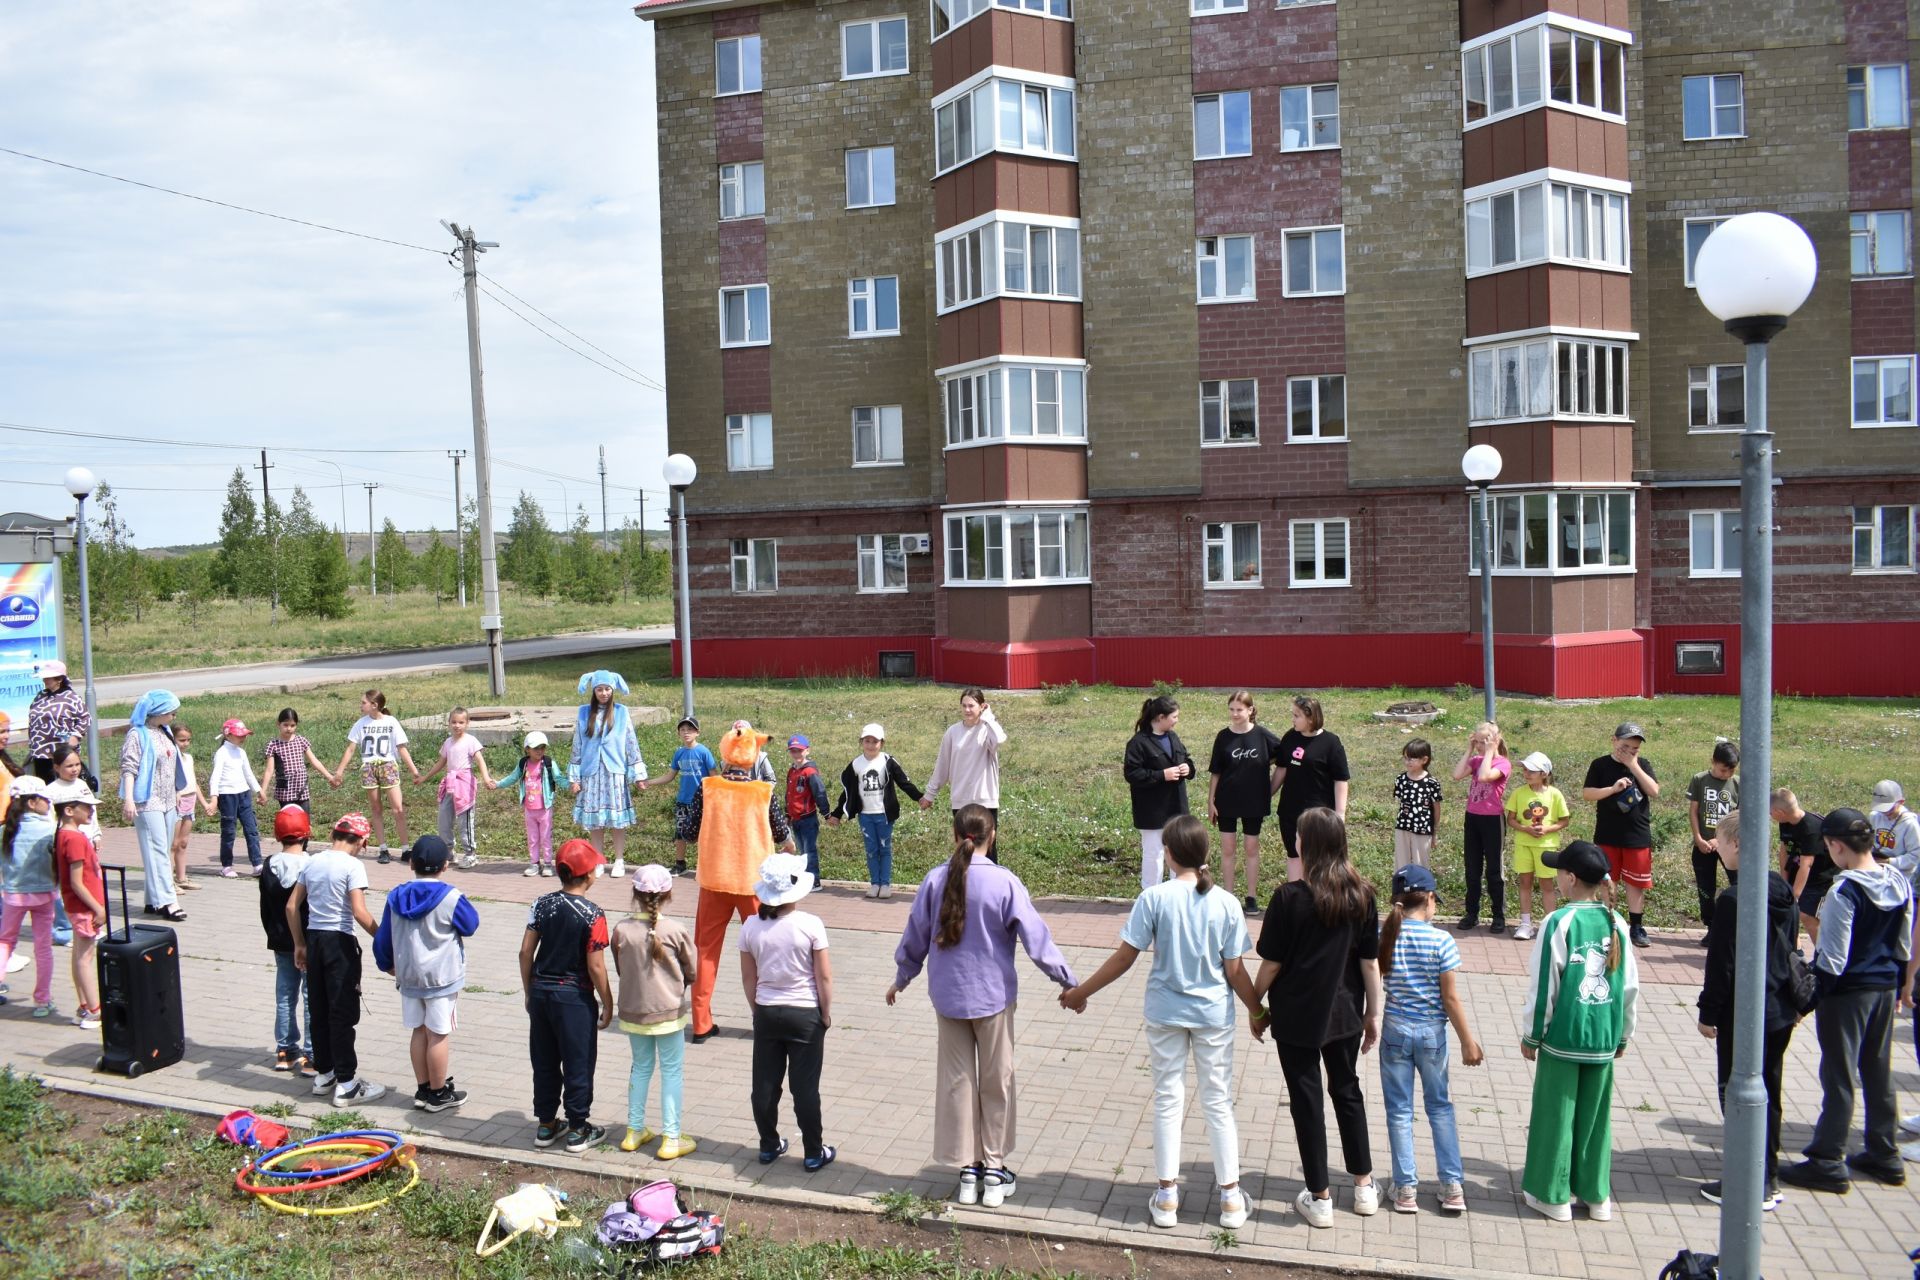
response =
{"points": [[556, 324], [176, 444], [511, 310]]}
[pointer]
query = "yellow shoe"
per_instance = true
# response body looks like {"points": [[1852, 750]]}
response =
{"points": [[637, 1138], [674, 1148]]}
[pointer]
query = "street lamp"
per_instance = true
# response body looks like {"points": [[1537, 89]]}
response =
{"points": [[679, 473], [81, 484], [1752, 273], [1481, 465]]}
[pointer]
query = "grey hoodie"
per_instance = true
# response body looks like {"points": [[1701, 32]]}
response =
{"points": [[1866, 931], [420, 937]]}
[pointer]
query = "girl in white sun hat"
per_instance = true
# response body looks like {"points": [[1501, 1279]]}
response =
{"points": [[783, 964]]}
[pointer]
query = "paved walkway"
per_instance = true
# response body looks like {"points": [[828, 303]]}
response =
{"points": [[1084, 1156]]}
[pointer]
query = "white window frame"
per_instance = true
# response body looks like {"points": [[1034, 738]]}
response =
{"points": [[743, 557], [1060, 532], [977, 106], [1219, 394], [1726, 527], [1688, 254], [1880, 368], [1207, 8], [1868, 227], [880, 417], [1316, 386], [746, 292], [1226, 537], [1552, 216], [1217, 104], [745, 178], [737, 46], [1532, 365], [1211, 255], [943, 24], [1715, 82], [1299, 4], [1288, 285], [1604, 364], [979, 402], [972, 261], [1515, 510], [1704, 379], [1874, 527], [873, 552], [1316, 119], [875, 45], [1524, 51], [746, 433], [866, 155], [867, 290], [1890, 104], [1320, 578]]}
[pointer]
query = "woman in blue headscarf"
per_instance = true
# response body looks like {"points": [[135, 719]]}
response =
{"points": [[606, 765], [152, 776]]}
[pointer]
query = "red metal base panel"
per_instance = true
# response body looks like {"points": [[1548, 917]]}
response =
{"points": [[1814, 659], [790, 657]]}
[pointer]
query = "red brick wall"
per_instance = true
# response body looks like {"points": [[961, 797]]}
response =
{"points": [[1880, 169], [818, 577], [1883, 317], [1265, 45], [1876, 31], [743, 249], [747, 383]]}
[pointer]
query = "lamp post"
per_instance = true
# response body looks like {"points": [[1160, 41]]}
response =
{"points": [[81, 484], [1481, 466], [679, 473], [1753, 272]]}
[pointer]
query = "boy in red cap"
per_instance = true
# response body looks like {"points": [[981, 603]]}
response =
{"points": [[563, 975], [291, 827], [232, 786], [328, 900]]}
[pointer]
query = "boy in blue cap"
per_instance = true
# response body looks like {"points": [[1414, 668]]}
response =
{"points": [[420, 942]]}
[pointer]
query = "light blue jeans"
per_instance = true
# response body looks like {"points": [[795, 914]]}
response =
{"points": [[1406, 1049], [878, 833], [289, 1005], [671, 1050], [155, 829]]}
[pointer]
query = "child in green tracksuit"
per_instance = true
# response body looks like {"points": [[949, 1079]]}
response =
{"points": [[1582, 985]]}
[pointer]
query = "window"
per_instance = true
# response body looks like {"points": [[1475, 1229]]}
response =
{"points": [[1315, 263], [1883, 391], [743, 190], [1225, 268], [1561, 532], [876, 436], [1317, 407], [1584, 71], [1713, 107], [1003, 115], [1877, 97], [1592, 378], [1714, 545], [1203, 7], [749, 441], [1507, 229], [1021, 545], [948, 14], [1008, 257], [1882, 539], [877, 48], [1319, 554], [1032, 402], [756, 564], [1310, 117], [1512, 381], [1546, 220], [1879, 242], [1697, 231], [1222, 125], [873, 306], [883, 562], [744, 320], [736, 65], [1230, 411], [1233, 555], [1716, 397], [869, 177], [1572, 69], [1502, 75]]}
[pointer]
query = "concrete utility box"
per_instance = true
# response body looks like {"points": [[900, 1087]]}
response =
{"points": [[31, 613]]}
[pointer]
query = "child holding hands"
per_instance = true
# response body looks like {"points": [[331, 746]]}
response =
{"points": [[539, 780], [460, 758], [289, 756]]}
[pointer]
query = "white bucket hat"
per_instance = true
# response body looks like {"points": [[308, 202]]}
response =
{"points": [[25, 787], [784, 878]]}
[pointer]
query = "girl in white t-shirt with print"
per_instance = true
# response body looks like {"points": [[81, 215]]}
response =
{"points": [[382, 745], [459, 795]]}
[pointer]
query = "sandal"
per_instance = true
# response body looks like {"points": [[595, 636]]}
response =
{"points": [[172, 914]]}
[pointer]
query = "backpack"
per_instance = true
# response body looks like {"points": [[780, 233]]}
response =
{"points": [[800, 803], [1803, 988], [1688, 1265]]}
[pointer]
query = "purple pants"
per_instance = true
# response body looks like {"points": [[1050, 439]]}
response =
{"points": [[540, 836]]}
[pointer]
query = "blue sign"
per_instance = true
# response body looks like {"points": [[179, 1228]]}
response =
{"points": [[29, 634]]}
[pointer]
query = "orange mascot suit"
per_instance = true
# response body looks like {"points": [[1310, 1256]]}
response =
{"points": [[740, 822]]}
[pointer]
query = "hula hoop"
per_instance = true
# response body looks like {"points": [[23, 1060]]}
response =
{"points": [[316, 1179], [403, 1156], [391, 1140]]}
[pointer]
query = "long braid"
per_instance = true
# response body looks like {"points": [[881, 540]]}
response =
{"points": [[653, 931]]}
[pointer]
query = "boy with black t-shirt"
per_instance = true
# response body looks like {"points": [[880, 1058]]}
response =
{"points": [[1803, 858], [563, 970], [1623, 787], [1712, 794]]}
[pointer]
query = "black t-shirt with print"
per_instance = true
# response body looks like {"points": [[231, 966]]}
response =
{"points": [[1624, 821], [570, 928], [1416, 797], [1244, 764], [1320, 995], [1313, 765], [1804, 843]]}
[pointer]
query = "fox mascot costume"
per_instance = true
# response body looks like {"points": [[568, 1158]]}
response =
{"points": [[738, 822]]}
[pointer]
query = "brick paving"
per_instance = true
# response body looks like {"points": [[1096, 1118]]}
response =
{"points": [[1085, 1151]]}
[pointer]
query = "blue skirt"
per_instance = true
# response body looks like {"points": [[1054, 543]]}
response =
{"points": [[605, 800]]}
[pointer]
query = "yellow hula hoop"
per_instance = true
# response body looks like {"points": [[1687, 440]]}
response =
{"points": [[402, 1155]]}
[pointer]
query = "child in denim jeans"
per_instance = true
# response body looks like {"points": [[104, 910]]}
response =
{"points": [[1417, 963], [292, 1052], [868, 792], [806, 801]]}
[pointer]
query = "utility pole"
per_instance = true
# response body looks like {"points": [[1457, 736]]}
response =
{"points": [[266, 524], [459, 527], [482, 463], [606, 543], [373, 571]]}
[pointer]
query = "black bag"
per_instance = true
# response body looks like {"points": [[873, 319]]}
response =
{"points": [[142, 1024], [1688, 1265], [1803, 988]]}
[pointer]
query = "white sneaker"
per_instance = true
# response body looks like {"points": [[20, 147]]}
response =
{"points": [[619, 868], [995, 1186], [1233, 1210], [1910, 1124], [323, 1084], [469, 862], [355, 1092], [1317, 1212], [1557, 1212], [531, 871], [1525, 930], [1164, 1207], [1910, 1151], [886, 891], [1602, 1211], [19, 961], [1366, 1199], [969, 1186]]}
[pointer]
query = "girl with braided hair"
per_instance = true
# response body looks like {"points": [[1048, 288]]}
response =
{"points": [[655, 959]]}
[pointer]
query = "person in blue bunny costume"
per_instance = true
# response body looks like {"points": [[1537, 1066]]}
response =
{"points": [[606, 766]]}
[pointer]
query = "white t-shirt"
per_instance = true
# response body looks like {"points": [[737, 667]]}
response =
{"points": [[872, 777], [782, 948], [379, 737], [330, 876]]}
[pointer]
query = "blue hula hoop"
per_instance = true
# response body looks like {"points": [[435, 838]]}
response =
{"points": [[393, 1140]]}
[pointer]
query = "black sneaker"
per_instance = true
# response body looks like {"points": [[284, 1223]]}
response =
{"points": [[1703, 939], [679, 866], [1467, 925], [1769, 1199], [548, 1133], [1810, 1175], [1253, 905], [1497, 926], [1893, 1175], [445, 1098], [385, 857], [702, 1037], [422, 1094], [1638, 936], [585, 1137]]}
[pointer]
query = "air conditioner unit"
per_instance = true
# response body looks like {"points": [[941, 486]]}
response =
{"points": [[1700, 658], [916, 544]]}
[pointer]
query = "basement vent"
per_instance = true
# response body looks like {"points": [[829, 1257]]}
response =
{"points": [[1700, 658], [897, 664]]}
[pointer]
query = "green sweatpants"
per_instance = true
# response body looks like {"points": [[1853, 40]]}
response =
{"points": [[1570, 1137]]}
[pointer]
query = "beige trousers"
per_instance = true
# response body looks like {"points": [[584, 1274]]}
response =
{"points": [[1409, 848], [973, 1109]]}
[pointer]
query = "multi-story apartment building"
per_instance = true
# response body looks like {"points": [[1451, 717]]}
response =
{"points": [[1026, 341]]}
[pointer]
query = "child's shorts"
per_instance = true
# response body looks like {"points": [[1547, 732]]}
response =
{"points": [[379, 773], [84, 923], [1630, 866], [440, 1014], [1249, 823], [683, 822], [1526, 861]]}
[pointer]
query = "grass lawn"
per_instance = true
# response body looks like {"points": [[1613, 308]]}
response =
{"points": [[1065, 817], [167, 639]]}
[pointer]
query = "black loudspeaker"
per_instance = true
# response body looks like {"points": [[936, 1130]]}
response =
{"points": [[142, 1024]]}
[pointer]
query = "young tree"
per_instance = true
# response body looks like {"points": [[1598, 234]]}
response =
{"points": [[470, 536], [236, 565], [325, 574], [436, 569], [394, 562], [528, 556], [586, 573], [643, 570], [193, 579], [293, 549]]}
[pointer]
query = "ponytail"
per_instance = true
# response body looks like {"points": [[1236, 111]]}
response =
{"points": [[1152, 709], [1185, 840], [972, 833], [1409, 900], [649, 903], [15, 812]]}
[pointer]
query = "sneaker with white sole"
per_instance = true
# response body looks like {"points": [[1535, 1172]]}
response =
{"points": [[355, 1092], [1601, 1210], [323, 1084], [995, 1186], [1908, 1124], [1910, 1151], [1453, 1198], [969, 1192], [619, 868], [1317, 1212], [886, 891], [531, 871], [1233, 1209], [1366, 1199], [546, 870], [469, 862], [1406, 1199], [1556, 1212], [1163, 1208], [1525, 929]]}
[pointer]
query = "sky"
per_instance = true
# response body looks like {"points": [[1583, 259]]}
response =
{"points": [[128, 312]]}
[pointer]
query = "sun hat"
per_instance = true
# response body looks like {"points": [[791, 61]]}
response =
{"points": [[784, 878], [579, 858], [49, 670], [236, 729], [1537, 763], [535, 739], [1581, 858], [874, 731], [292, 823], [25, 787], [71, 792], [355, 825], [1887, 794], [653, 878]]}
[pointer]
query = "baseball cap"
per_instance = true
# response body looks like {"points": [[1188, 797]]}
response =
{"points": [[292, 823], [1537, 763], [76, 791], [24, 786], [1581, 859], [235, 729], [579, 858], [874, 731], [1630, 730], [535, 739], [689, 722], [355, 825], [1846, 824], [430, 853], [1414, 877], [1886, 794], [653, 878], [798, 740], [49, 670]]}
